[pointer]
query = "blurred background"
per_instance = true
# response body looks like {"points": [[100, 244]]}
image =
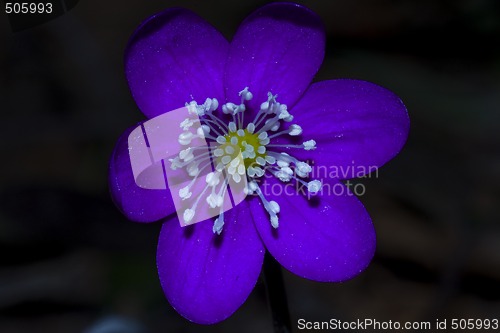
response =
{"points": [[70, 262]]}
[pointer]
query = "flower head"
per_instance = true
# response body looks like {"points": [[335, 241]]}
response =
{"points": [[255, 100]]}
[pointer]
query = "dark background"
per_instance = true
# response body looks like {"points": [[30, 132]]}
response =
{"points": [[71, 263]]}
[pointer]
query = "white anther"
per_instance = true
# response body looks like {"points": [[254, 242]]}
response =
{"points": [[226, 159], [250, 172], [210, 104], [270, 159], [175, 163], [183, 153], [218, 225], [184, 193], [294, 130], [245, 94], [221, 139], [235, 162], [219, 167], [258, 172], [284, 174], [260, 161], [192, 169], [206, 129], [185, 138], [265, 141], [229, 150], [214, 200], [253, 186], [274, 207], [229, 108], [251, 127], [284, 114], [261, 149], [192, 107], [200, 132], [241, 169], [234, 140], [275, 221], [240, 132], [236, 177], [214, 105], [262, 136], [283, 163], [303, 167], [218, 152], [188, 215], [186, 124], [232, 126], [309, 145], [314, 186], [212, 179]]}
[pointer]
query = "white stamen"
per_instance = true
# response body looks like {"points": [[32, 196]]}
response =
{"points": [[240, 144], [274, 206], [229, 108], [212, 179], [303, 169], [241, 169], [309, 145], [260, 161], [275, 221], [251, 127], [185, 138], [232, 126], [184, 193], [295, 130], [245, 94], [214, 200], [188, 215], [218, 224], [270, 159], [218, 152], [314, 186]]}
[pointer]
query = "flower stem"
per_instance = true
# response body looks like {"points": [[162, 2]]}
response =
{"points": [[276, 295]]}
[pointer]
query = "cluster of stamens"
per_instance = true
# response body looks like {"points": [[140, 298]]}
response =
{"points": [[239, 151]]}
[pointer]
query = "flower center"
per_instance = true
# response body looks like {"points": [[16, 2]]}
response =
{"points": [[238, 150], [245, 142]]}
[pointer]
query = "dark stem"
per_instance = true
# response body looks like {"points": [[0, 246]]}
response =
{"points": [[276, 295]]}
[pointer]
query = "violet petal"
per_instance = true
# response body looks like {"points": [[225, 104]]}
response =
{"points": [[172, 58], [357, 126], [207, 277], [277, 49], [329, 238], [137, 204]]}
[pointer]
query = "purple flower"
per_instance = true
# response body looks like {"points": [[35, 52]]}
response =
{"points": [[207, 270]]}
